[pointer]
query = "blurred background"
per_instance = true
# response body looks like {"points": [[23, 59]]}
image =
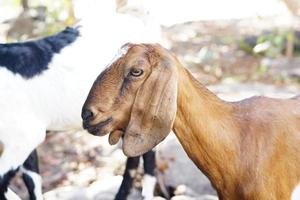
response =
{"points": [[236, 48]]}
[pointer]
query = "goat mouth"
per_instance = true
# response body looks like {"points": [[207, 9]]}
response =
{"points": [[99, 129]]}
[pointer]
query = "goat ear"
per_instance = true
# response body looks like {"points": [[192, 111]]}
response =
{"points": [[154, 110]]}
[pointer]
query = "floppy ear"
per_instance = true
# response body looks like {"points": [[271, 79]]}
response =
{"points": [[154, 110]]}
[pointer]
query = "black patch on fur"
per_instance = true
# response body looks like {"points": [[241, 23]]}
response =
{"points": [[126, 185], [30, 185], [31, 58], [4, 182], [31, 164], [149, 163], [132, 164], [124, 85]]}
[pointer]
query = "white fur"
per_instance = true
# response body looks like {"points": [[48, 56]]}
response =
{"points": [[11, 195], [120, 53], [148, 187], [296, 193], [53, 99], [132, 172]]}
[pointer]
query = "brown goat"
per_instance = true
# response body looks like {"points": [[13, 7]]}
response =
{"points": [[249, 150]]}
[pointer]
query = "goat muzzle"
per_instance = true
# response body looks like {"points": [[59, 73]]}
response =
{"points": [[98, 129]]}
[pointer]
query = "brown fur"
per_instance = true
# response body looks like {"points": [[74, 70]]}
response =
{"points": [[1, 148], [249, 150]]}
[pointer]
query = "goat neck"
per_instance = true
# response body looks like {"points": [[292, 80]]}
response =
{"points": [[208, 140]]}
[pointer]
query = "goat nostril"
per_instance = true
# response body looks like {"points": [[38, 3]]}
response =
{"points": [[87, 114]]}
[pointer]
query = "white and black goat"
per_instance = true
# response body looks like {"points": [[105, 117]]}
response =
{"points": [[43, 85]]}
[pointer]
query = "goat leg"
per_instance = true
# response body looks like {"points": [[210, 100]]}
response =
{"points": [[128, 177], [31, 177]]}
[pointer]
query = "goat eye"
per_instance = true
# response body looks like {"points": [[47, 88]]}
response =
{"points": [[136, 72]]}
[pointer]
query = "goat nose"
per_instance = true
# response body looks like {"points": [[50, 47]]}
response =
{"points": [[86, 114]]}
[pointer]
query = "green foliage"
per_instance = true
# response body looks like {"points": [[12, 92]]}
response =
{"points": [[272, 44], [56, 17], [262, 69], [44, 18], [245, 46]]}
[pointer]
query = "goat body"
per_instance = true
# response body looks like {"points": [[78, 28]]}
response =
{"points": [[31, 105], [248, 149]]}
